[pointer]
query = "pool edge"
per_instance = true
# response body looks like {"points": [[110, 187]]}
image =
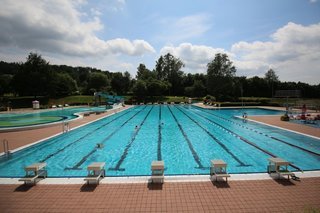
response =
{"points": [[169, 179]]}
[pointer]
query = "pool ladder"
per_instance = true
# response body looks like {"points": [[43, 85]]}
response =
{"points": [[65, 127], [6, 147]]}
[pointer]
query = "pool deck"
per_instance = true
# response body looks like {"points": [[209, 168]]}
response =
{"points": [[198, 195], [234, 196], [274, 120]]}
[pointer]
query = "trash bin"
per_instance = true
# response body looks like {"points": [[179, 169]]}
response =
{"points": [[35, 105]]}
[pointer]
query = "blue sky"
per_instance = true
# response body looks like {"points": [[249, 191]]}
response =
{"points": [[117, 35]]}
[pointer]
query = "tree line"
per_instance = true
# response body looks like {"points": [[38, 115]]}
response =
{"points": [[36, 77]]}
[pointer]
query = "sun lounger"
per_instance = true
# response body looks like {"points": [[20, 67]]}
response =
{"points": [[218, 169], [86, 114], [311, 119], [280, 167], [34, 172], [157, 168], [96, 171]]}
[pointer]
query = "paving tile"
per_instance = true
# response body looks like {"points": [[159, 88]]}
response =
{"points": [[242, 196]]}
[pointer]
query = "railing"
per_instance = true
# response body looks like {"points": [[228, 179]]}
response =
{"points": [[65, 127], [5, 143]]}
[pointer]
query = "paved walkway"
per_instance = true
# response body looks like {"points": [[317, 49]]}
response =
{"points": [[275, 121], [234, 196]]}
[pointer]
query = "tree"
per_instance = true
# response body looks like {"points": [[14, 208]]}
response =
{"points": [[156, 87], [220, 73], [140, 89], [196, 90], [120, 83], [256, 87], [168, 68], [199, 90], [271, 79], [143, 73], [34, 76], [5, 83], [98, 81], [62, 85]]}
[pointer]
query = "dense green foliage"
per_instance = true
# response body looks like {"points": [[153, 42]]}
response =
{"points": [[220, 77], [36, 77]]}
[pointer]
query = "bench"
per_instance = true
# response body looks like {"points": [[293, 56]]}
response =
{"points": [[86, 114]]}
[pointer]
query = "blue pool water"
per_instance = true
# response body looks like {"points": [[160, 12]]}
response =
{"points": [[42, 117], [185, 137]]}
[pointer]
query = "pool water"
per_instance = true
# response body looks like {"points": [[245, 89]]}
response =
{"points": [[186, 138], [42, 117]]}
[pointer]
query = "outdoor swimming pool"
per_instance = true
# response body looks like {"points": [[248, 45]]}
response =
{"points": [[9, 120], [185, 137]]}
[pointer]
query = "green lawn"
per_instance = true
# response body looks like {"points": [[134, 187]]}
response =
{"points": [[72, 100]]}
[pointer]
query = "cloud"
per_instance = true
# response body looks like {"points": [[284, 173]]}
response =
{"points": [[313, 1], [184, 28], [293, 51], [195, 57], [59, 26]]}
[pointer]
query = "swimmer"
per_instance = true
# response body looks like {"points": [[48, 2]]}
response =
{"points": [[245, 115], [100, 145]]}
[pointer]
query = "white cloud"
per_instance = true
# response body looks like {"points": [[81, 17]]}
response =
{"points": [[313, 1], [293, 51], [58, 26], [195, 57]]}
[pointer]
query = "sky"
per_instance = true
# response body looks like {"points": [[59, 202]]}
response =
{"points": [[118, 35]]}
